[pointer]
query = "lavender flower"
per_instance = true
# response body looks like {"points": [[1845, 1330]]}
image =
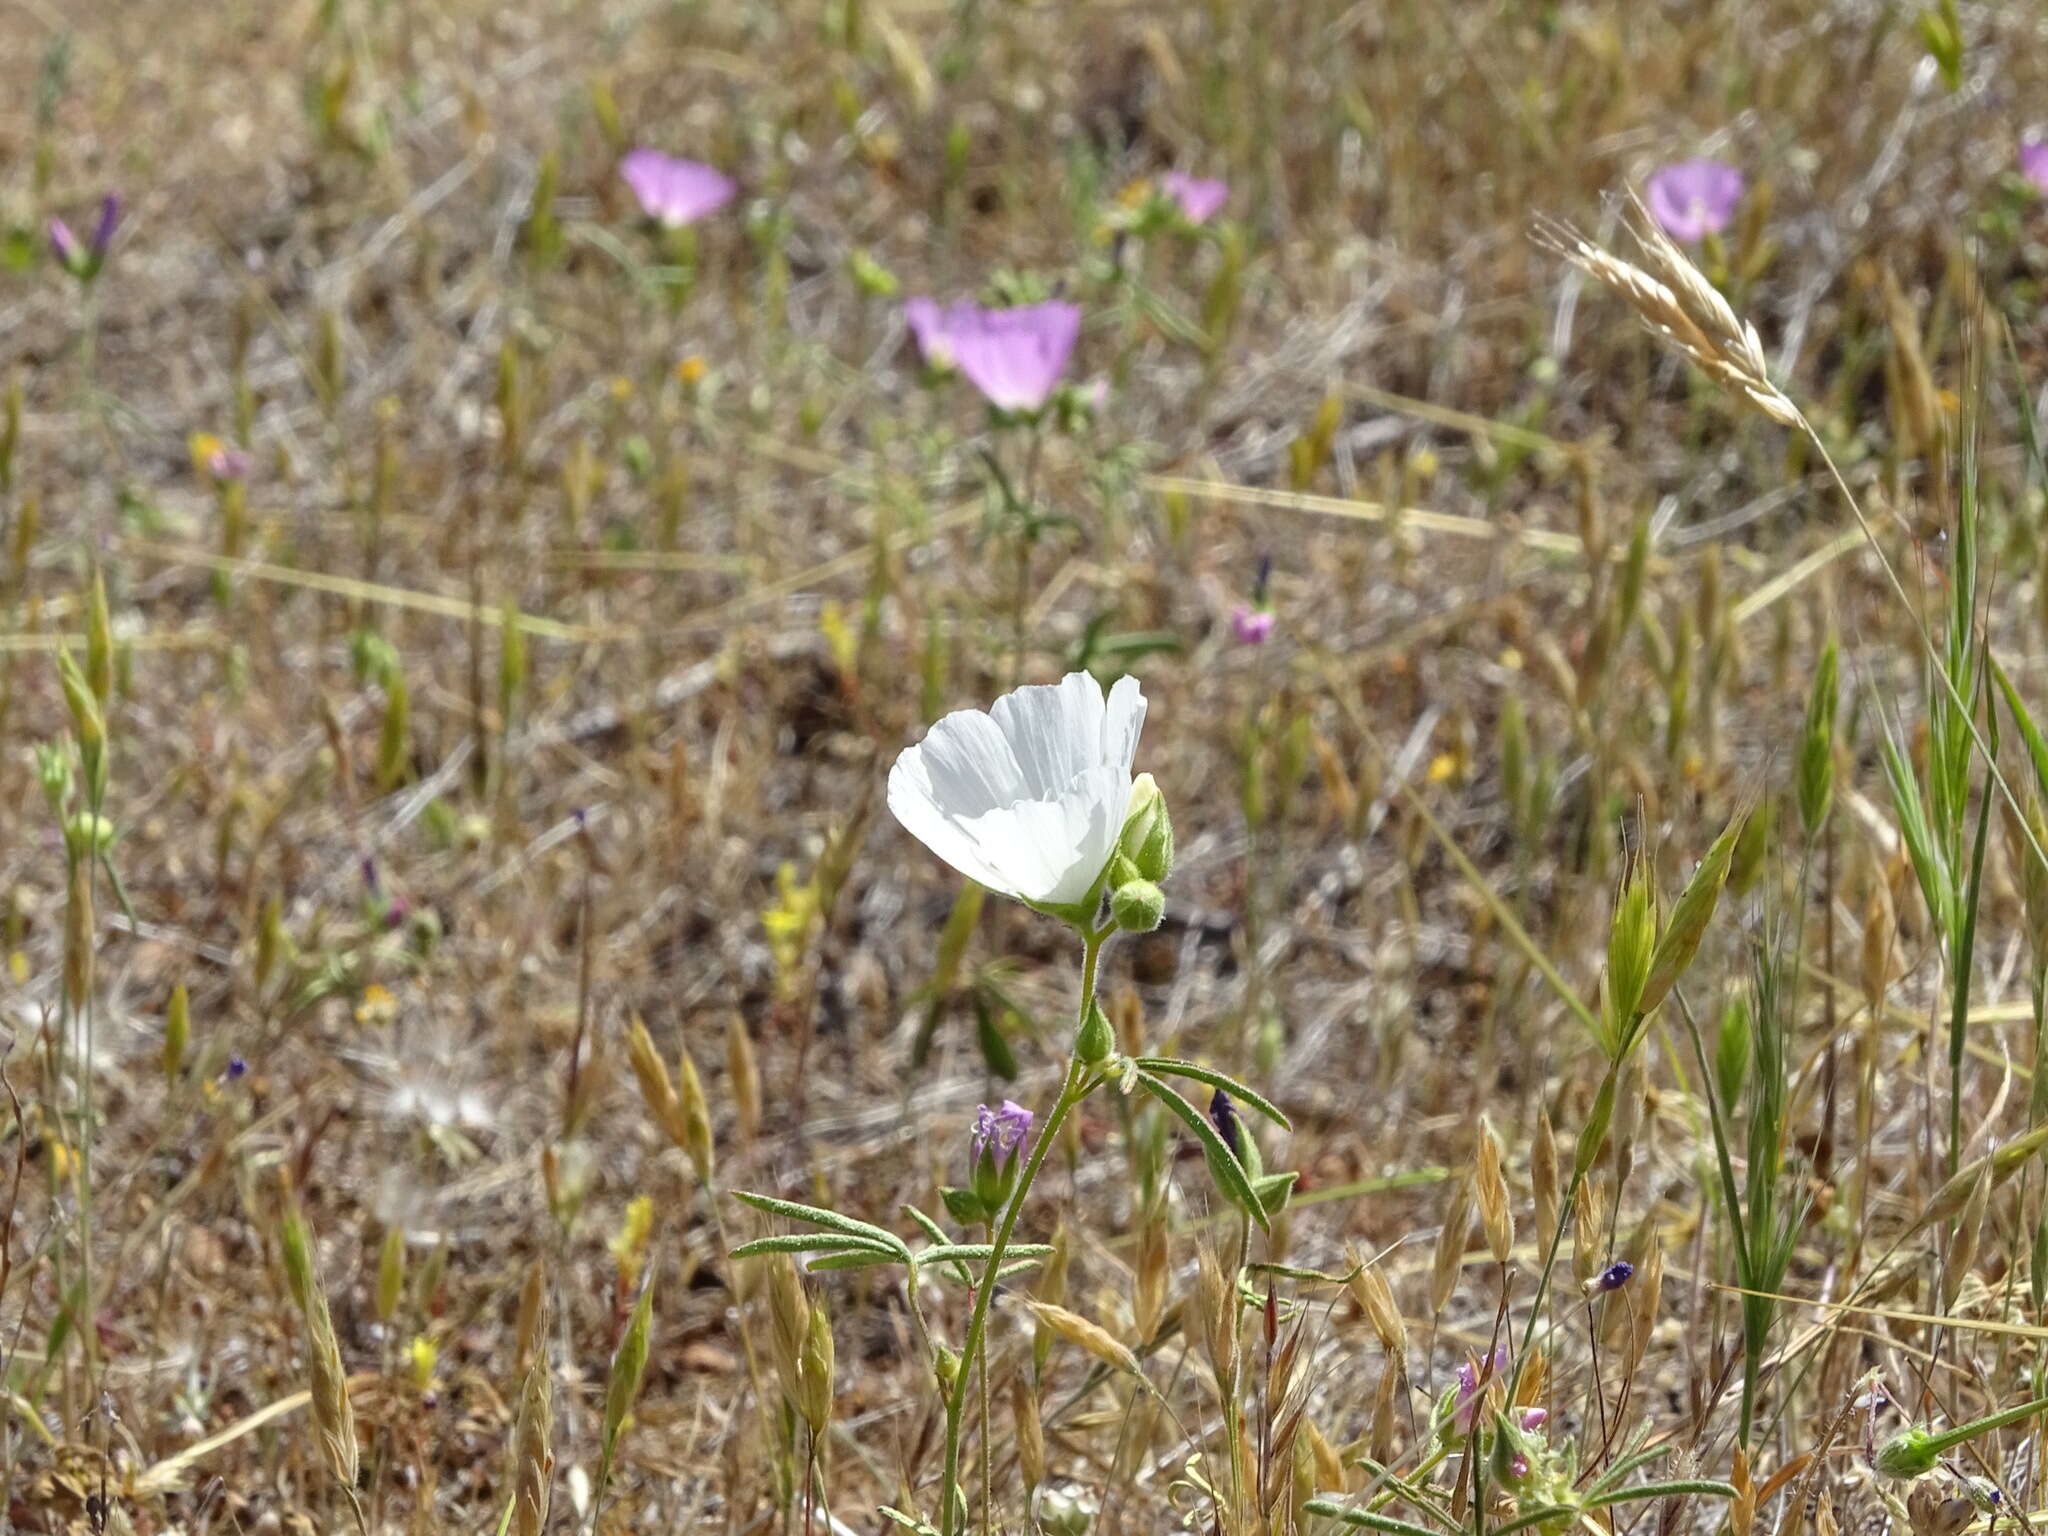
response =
{"points": [[103, 232], [999, 1131], [1013, 356], [1252, 622], [1251, 625], [229, 463], [2034, 162], [1198, 198], [65, 247], [1694, 198], [1223, 1115], [84, 261], [1616, 1275], [1466, 1407], [675, 192]]}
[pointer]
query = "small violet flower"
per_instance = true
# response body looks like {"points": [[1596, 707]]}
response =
{"points": [[1466, 1408], [1616, 1275], [1197, 197], [1030, 797], [228, 463], [1013, 356], [1252, 626], [1001, 1131], [1252, 622], [675, 192], [1229, 1125], [65, 247], [2034, 162], [1694, 198], [84, 261]]}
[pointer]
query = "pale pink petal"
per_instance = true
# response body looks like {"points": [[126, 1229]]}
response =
{"points": [[1694, 198], [675, 192]]}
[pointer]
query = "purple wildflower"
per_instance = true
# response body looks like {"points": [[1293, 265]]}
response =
{"points": [[1532, 1418], [103, 232], [226, 463], [1013, 356], [1466, 1408], [237, 1069], [1000, 1130], [1197, 197], [1223, 1115], [2034, 162], [1694, 198], [1251, 625], [1616, 1275], [65, 247], [675, 192]]}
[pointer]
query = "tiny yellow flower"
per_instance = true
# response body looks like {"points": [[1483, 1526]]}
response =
{"points": [[622, 388], [377, 1007], [422, 1355], [1443, 767], [691, 370], [204, 446], [1511, 658], [1137, 194]]}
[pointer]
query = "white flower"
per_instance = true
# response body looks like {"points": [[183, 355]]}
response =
{"points": [[1029, 798]]}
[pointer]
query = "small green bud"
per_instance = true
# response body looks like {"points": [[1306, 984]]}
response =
{"points": [[1097, 1040], [1147, 839], [87, 834], [1138, 906], [1909, 1453]]}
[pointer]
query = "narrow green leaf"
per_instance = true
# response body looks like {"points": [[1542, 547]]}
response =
{"points": [[1370, 1520], [832, 1221], [1223, 1162], [809, 1242], [1173, 1066]]}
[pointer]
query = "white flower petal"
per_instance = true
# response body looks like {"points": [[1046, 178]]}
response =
{"points": [[1124, 718], [1030, 798], [971, 765], [1054, 850], [1055, 730], [912, 803]]}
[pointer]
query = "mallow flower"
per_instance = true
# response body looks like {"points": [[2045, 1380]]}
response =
{"points": [[2034, 162], [84, 261], [1013, 356], [1693, 198], [1197, 197], [1031, 797], [675, 192]]}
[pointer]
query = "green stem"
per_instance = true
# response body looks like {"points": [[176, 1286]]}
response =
{"points": [[1948, 1439], [1073, 1089]]}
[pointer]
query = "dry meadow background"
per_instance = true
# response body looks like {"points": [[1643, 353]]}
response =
{"points": [[566, 627]]}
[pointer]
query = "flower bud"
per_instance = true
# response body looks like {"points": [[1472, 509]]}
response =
{"points": [[1148, 832], [1138, 906], [1909, 1453], [1096, 1040]]}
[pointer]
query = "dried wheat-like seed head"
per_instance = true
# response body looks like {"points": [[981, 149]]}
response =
{"points": [[1678, 304], [1490, 1184], [1375, 1299], [1450, 1246], [533, 1456]]}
